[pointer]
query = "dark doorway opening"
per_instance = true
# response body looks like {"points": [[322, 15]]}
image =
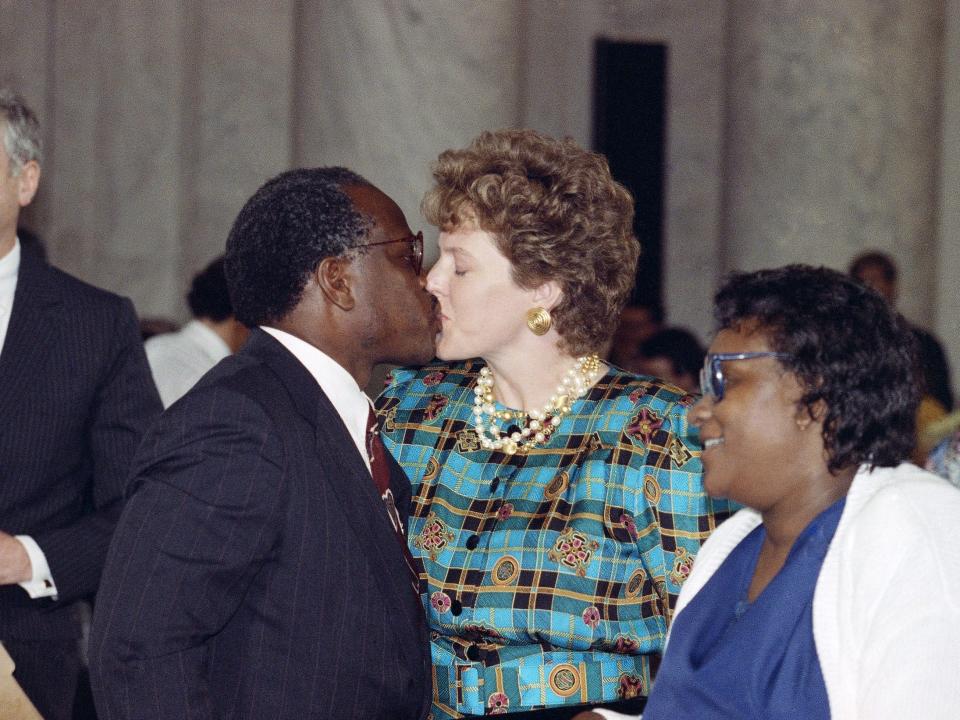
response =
{"points": [[629, 117]]}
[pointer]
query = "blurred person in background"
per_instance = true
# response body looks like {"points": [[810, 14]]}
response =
{"points": [[877, 270], [636, 324], [674, 355], [177, 360], [75, 397]]}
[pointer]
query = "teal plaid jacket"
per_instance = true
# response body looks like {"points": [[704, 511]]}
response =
{"points": [[549, 577]]}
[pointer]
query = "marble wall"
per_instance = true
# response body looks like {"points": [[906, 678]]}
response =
{"points": [[797, 130], [833, 116]]}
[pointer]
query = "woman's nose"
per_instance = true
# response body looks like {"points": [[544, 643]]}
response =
{"points": [[701, 411], [433, 283]]}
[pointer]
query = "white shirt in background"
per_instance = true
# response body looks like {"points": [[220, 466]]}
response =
{"points": [[178, 359]]}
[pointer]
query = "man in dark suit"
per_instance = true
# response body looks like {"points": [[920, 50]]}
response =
{"points": [[259, 569], [75, 398]]}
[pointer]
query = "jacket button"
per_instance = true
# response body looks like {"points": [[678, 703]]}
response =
{"points": [[456, 607], [473, 653], [472, 542]]}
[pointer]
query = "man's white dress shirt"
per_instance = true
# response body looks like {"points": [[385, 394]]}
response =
{"points": [[9, 267], [348, 399]]}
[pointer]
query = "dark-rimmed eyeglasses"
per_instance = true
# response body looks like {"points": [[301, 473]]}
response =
{"points": [[712, 381], [416, 249]]}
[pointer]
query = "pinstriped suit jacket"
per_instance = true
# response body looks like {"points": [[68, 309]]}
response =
{"points": [[75, 397], [254, 572]]}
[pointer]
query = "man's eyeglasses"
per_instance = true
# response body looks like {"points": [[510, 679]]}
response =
{"points": [[416, 249], [712, 381]]}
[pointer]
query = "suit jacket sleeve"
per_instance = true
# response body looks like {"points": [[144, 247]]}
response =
{"points": [[202, 519], [126, 402]]}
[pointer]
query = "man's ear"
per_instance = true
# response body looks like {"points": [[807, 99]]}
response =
{"points": [[28, 179], [335, 279], [547, 295]]}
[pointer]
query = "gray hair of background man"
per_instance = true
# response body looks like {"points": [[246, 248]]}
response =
{"points": [[21, 131]]}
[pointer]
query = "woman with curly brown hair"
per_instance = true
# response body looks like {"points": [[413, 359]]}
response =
{"points": [[558, 501]]}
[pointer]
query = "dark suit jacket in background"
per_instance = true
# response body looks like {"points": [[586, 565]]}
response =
{"points": [[254, 573], [75, 398]]}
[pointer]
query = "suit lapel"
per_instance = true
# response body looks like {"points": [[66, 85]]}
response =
{"points": [[31, 329], [347, 473]]}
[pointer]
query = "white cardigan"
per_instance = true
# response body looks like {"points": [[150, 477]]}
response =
{"points": [[886, 609]]}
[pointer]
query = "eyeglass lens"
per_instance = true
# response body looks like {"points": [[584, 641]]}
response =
{"points": [[711, 379], [416, 252]]}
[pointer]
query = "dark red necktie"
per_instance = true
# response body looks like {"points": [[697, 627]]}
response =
{"points": [[381, 478]]}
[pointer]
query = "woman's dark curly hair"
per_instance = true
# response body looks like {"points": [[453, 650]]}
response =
{"points": [[556, 214], [291, 223], [847, 348]]}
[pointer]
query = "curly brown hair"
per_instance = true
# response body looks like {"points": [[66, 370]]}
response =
{"points": [[556, 213]]}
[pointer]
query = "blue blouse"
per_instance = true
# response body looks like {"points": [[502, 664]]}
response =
{"points": [[731, 659]]}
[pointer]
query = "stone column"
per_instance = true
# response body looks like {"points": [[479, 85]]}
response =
{"points": [[832, 137], [384, 86], [114, 165], [25, 36], [947, 321], [237, 115]]}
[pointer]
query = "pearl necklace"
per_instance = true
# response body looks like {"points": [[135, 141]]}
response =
{"points": [[540, 424]]}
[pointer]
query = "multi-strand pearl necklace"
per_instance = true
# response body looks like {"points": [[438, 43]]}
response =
{"points": [[539, 424]]}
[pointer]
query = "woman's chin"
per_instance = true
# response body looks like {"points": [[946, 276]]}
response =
{"points": [[713, 485], [449, 352]]}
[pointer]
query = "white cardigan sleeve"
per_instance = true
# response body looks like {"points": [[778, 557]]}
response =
{"points": [[889, 604]]}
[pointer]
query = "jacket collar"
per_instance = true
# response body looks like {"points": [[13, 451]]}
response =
{"points": [[33, 320]]}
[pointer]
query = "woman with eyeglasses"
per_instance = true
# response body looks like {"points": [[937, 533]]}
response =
{"points": [[836, 592], [558, 500]]}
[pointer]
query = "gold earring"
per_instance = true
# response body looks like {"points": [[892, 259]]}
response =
{"points": [[539, 320]]}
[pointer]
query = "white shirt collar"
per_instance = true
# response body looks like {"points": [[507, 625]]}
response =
{"points": [[10, 263], [351, 403], [9, 269]]}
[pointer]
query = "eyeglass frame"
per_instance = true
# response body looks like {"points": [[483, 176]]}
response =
{"points": [[711, 374], [416, 245]]}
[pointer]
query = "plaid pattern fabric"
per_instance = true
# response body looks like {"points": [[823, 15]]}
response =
{"points": [[548, 577]]}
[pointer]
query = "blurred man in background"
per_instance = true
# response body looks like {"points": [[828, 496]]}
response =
{"points": [[75, 397], [179, 359]]}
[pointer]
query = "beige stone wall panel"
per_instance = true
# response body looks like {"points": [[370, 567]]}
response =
{"points": [[385, 85], [831, 145]]}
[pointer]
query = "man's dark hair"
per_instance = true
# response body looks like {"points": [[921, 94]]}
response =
{"points": [[677, 345], [874, 258], [281, 235], [655, 309], [846, 346], [209, 296]]}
